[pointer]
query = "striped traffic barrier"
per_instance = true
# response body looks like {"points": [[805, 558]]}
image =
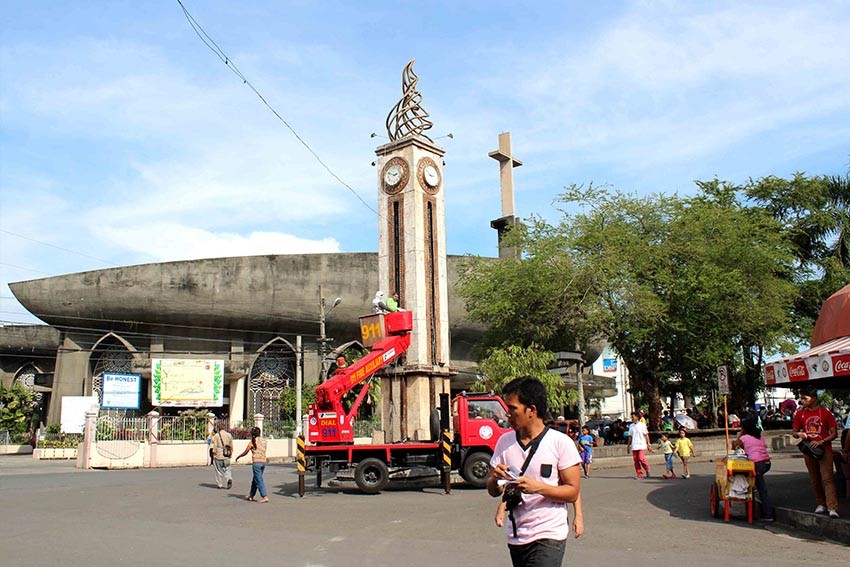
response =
{"points": [[301, 464], [447, 460]]}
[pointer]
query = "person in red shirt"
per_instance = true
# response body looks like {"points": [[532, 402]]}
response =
{"points": [[818, 425]]}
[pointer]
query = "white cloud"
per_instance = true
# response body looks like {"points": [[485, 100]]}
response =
{"points": [[165, 241], [663, 84]]}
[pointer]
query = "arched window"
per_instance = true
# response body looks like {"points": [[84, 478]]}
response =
{"points": [[272, 371], [26, 377], [110, 355]]}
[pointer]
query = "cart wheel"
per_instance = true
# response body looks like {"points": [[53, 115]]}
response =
{"points": [[714, 499]]}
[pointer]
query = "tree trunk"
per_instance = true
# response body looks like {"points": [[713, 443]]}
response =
{"points": [[653, 394]]}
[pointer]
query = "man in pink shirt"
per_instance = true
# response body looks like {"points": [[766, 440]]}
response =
{"points": [[538, 470]]}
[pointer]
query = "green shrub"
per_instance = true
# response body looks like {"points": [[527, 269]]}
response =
{"points": [[17, 408]]}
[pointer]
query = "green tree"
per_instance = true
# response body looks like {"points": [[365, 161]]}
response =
{"points": [[686, 284], [17, 408], [503, 364], [814, 213], [675, 285], [538, 300], [288, 403]]}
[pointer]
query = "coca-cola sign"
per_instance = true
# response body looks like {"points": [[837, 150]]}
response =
{"points": [[769, 374], [841, 365], [797, 371]]}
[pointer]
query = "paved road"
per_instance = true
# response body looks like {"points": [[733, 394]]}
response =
{"points": [[53, 514]]}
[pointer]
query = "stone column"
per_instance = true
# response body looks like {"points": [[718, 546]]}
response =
{"points": [[153, 437], [210, 423], [258, 421], [237, 401], [72, 375]]}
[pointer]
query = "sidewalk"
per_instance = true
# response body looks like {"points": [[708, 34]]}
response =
{"points": [[787, 482]]}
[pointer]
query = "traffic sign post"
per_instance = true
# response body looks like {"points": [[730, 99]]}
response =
{"points": [[723, 389], [723, 380]]}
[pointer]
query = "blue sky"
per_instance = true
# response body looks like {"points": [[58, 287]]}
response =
{"points": [[125, 140]]}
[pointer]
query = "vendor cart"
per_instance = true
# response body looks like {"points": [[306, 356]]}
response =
{"points": [[734, 480]]}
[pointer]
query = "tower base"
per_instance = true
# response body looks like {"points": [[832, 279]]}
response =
{"points": [[409, 396]]}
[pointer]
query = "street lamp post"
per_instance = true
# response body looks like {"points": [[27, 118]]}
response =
{"points": [[323, 340]]}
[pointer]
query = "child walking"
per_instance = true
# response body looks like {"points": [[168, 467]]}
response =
{"points": [[585, 446], [684, 450], [666, 447]]}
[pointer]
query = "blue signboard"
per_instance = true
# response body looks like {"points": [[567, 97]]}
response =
{"points": [[609, 365], [121, 391]]}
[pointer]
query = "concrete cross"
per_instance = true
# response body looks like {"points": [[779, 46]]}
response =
{"points": [[507, 163]]}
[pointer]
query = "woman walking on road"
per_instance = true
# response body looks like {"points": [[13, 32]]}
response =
{"points": [[749, 439], [257, 446]]}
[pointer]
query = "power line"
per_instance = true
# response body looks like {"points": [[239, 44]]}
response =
{"points": [[58, 247], [212, 46], [150, 324], [25, 269]]}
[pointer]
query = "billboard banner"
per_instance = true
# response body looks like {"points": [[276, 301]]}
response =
{"points": [[74, 408], [187, 383], [121, 391]]}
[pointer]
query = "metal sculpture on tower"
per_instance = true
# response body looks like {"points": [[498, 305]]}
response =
{"points": [[408, 118]]}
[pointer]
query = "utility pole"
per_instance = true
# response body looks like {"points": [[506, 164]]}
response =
{"points": [[299, 385], [582, 411], [323, 340]]}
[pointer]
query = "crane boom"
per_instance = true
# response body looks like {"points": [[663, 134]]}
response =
{"points": [[329, 422]]}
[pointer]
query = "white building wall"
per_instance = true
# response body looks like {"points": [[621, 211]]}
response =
{"points": [[610, 363]]}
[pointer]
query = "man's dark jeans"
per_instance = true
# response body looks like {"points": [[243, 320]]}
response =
{"points": [[539, 553]]}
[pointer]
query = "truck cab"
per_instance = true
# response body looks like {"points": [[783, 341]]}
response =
{"points": [[478, 422]]}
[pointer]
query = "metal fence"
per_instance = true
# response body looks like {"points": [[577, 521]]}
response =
{"points": [[182, 428], [11, 438], [121, 429], [365, 427], [285, 428]]}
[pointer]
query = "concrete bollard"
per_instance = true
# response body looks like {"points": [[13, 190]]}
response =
{"points": [[153, 436], [258, 421], [89, 435]]}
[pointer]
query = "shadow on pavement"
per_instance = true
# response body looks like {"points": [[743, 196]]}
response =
{"points": [[688, 499]]}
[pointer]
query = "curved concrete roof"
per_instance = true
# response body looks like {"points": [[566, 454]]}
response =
{"points": [[245, 294]]}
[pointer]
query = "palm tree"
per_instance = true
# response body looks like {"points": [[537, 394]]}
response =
{"points": [[838, 191]]}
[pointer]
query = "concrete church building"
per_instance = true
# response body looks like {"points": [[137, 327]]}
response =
{"points": [[245, 310]]}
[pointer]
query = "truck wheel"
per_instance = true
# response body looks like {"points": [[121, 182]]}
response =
{"points": [[435, 425], [476, 469], [371, 475]]}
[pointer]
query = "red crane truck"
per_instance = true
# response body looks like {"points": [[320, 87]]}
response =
{"points": [[478, 420]]}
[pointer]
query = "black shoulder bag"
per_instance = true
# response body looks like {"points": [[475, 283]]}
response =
{"points": [[512, 495]]}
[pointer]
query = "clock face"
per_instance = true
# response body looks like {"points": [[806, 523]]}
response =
{"points": [[429, 175], [394, 176], [432, 176]]}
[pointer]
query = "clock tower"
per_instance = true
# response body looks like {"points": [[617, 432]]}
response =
{"points": [[412, 263]]}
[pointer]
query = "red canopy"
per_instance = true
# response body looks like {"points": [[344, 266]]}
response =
{"points": [[828, 359], [834, 318]]}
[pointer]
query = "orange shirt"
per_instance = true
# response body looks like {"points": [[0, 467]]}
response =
{"points": [[259, 454]]}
